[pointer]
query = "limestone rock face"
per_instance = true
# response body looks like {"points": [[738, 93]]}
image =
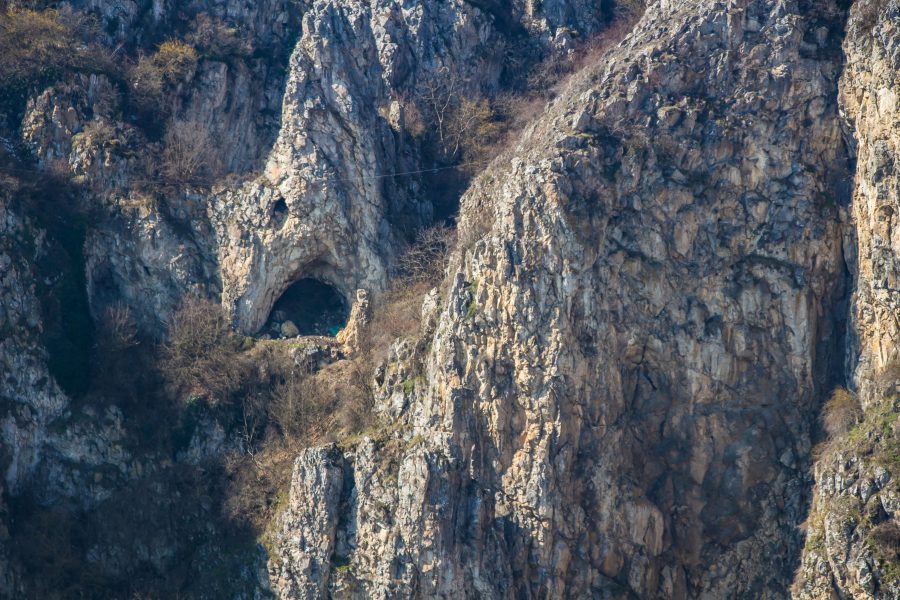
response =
{"points": [[31, 397], [656, 270], [311, 142], [323, 204], [310, 523], [615, 391], [855, 511], [869, 88], [315, 153]]}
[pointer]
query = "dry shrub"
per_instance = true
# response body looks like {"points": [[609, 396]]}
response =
{"points": [[841, 413], [887, 379], [217, 40], [201, 358], [322, 406], [398, 315], [302, 411], [35, 44], [258, 484], [887, 539], [189, 154], [472, 129], [298, 408], [463, 123], [414, 122], [118, 330], [100, 132], [157, 75], [425, 260]]}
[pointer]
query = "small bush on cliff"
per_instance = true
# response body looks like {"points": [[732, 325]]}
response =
{"points": [[157, 75], [201, 358], [887, 379], [189, 155], [216, 40], [841, 413], [36, 44], [426, 259]]}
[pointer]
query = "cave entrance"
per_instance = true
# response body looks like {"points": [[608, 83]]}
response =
{"points": [[307, 307]]}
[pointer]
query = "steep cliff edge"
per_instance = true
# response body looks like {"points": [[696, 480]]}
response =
{"points": [[853, 532], [615, 394], [618, 389]]}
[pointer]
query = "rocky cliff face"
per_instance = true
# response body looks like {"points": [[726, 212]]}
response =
{"points": [[309, 143], [853, 524], [661, 275], [616, 389]]}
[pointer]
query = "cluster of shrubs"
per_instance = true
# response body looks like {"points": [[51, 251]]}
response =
{"points": [[157, 75], [41, 47]]}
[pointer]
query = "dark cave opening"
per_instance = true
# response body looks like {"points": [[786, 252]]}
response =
{"points": [[308, 307], [279, 212]]}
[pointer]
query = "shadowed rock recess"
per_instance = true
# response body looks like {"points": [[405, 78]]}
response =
{"points": [[655, 354]]}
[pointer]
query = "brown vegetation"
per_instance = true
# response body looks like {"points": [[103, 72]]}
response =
{"points": [[158, 75], [201, 358], [887, 379], [841, 413], [464, 122], [35, 44], [887, 539], [189, 154], [216, 40], [426, 259], [39, 47], [302, 411]]}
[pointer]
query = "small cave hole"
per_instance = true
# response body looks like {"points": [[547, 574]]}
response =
{"points": [[307, 307], [279, 212]]}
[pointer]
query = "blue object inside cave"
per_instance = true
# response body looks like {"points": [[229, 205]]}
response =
{"points": [[313, 306]]}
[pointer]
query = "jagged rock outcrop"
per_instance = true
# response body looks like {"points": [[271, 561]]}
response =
{"points": [[853, 529], [618, 393], [615, 390], [869, 87], [324, 204]]}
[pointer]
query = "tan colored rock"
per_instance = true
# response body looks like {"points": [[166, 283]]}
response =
{"points": [[617, 390], [855, 496], [349, 336]]}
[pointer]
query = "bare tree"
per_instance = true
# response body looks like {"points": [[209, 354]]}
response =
{"points": [[426, 259], [189, 154], [440, 94], [464, 122]]}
